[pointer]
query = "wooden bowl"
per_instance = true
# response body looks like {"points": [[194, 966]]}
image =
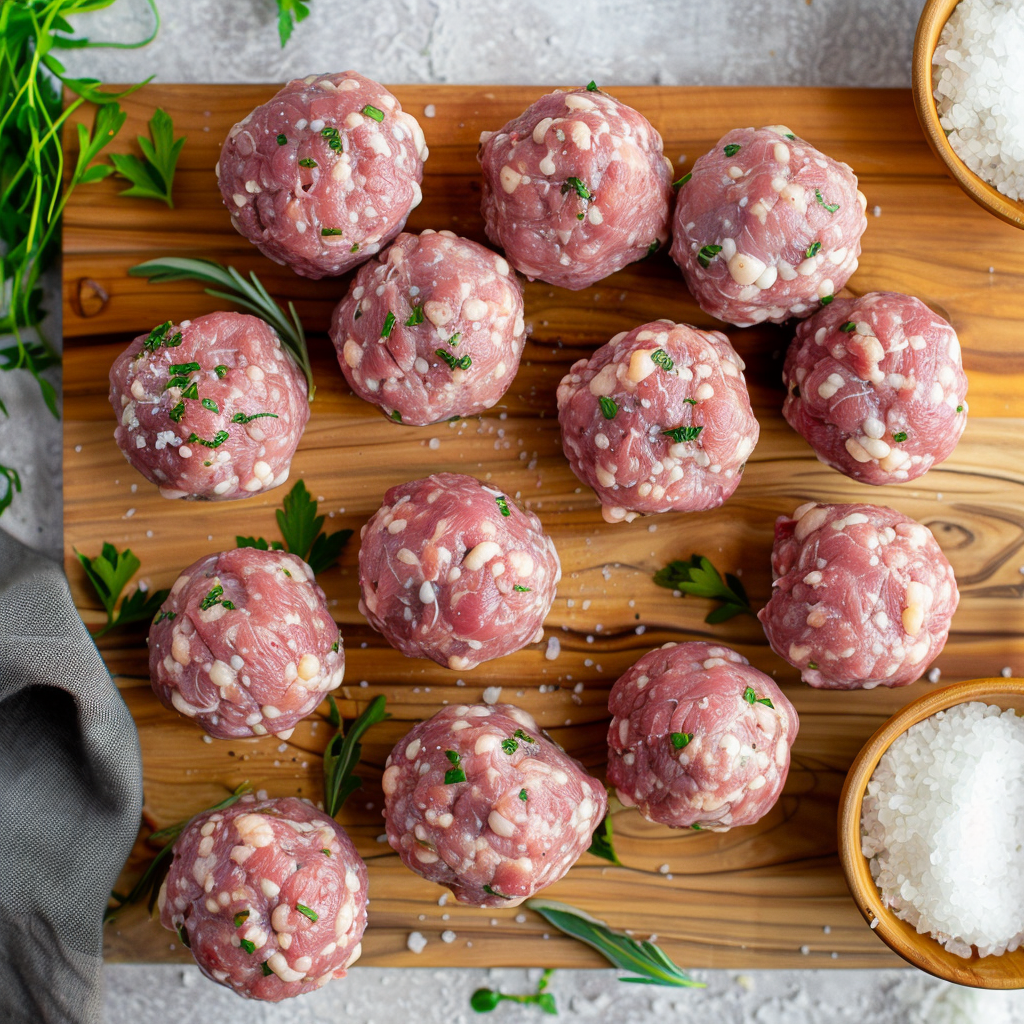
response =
{"points": [[1006, 971], [934, 16]]}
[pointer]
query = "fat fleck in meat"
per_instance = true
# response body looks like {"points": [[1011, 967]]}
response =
{"points": [[322, 176], [453, 570], [767, 227], [244, 644], [269, 895], [432, 329], [877, 387], [575, 188], [211, 408], [699, 738], [863, 596], [658, 420], [477, 798]]}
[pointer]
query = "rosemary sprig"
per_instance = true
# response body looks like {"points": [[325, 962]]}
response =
{"points": [[148, 885], [701, 579], [342, 753], [642, 958], [249, 294], [109, 573]]}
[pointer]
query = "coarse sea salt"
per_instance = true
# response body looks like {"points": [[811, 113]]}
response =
{"points": [[979, 89], [943, 828]]}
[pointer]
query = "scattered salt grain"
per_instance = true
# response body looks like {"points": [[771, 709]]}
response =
{"points": [[429, 110], [416, 943], [942, 826], [934, 675], [448, 935], [553, 649], [492, 694]]}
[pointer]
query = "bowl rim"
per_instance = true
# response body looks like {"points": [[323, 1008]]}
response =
{"points": [[933, 18], [890, 929]]}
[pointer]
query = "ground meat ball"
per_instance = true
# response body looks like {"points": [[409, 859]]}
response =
{"points": [[766, 227], [270, 895], [478, 799], [324, 174], [575, 188], [428, 294], [863, 596], [244, 644], [453, 570], [876, 386], [658, 420], [699, 738], [229, 425]]}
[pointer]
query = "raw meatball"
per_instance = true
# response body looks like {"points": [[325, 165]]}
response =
{"points": [[324, 174], [575, 188], [209, 408], [477, 798], [863, 596], [699, 738], [244, 644], [270, 896], [876, 386], [432, 329], [455, 571], [658, 420], [766, 227]]}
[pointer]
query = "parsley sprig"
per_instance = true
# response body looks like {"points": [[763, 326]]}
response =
{"points": [[602, 842], [289, 14], [483, 1000], [647, 962], [303, 533], [249, 294], [701, 579], [109, 573], [152, 175], [342, 753]]}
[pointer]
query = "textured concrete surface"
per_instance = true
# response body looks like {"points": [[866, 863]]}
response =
{"points": [[709, 42]]}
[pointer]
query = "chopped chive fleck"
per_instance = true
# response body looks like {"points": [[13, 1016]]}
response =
{"points": [[813, 249], [454, 339], [282, 139], [452, 755], [173, 342], [509, 745], [849, 327], [327, 232], [696, 828], [241, 917], [900, 436], [690, 401], [415, 317], [157, 336], [267, 972], [210, 404], [454, 775], [609, 407], [680, 739], [826, 300], [494, 892], [287, 573], [374, 112], [959, 408], [520, 735], [732, 149], [767, 701], [461, 364], [396, 415], [790, 136], [176, 382], [579, 186], [389, 322], [307, 912], [177, 412], [176, 368], [683, 180], [215, 442], [192, 391], [521, 589], [661, 358], [183, 935], [653, 247], [749, 696], [355, 247], [502, 503], [707, 254], [591, 86], [680, 434], [212, 598], [580, 216], [812, 664], [325, 851], [240, 417], [221, 371], [170, 616], [334, 647], [307, 162], [831, 207], [249, 947], [523, 795]]}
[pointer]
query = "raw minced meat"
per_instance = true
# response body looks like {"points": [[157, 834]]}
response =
{"points": [[477, 798], [244, 644], [432, 329], [210, 408], [323, 175]]}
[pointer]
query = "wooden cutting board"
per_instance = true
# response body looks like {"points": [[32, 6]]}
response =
{"points": [[770, 895]]}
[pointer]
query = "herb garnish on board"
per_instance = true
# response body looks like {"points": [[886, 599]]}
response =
{"points": [[483, 1000], [342, 753], [109, 573], [701, 579]]}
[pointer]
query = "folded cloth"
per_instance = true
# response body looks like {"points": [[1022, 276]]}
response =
{"points": [[70, 796]]}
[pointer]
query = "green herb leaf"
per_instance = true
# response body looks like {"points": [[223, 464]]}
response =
{"points": [[396, 415], [453, 776], [502, 503], [831, 207], [900, 436], [241, 917], [289, 14], [849, 327], [749, 696], [389, 323], [454, 339], [374, 112], [249, 947], [602, 842], [609, 407], [241, 417], [494, 892], [653, 247], [680, 739], [152, 176], [813, 249], [578, 186], [306, 911], [700, 578], [591, 86], [707, 254], [453, 363], [661, 358], [521, 589], [644, 959], [959, 408], [509, 745], [343, 752], [683, 180], [813, 665], [221, 371], [109, 573], [307, 161], [679, 434], [267, 972], [282, 139], [415, 317], [214, 442], [525, 737], [826, 300], [523, 795], [329, 232], [249, 294], [732, 149], [211, 405]]}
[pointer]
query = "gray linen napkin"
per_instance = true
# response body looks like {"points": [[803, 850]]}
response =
{"points": [[70, 796]]}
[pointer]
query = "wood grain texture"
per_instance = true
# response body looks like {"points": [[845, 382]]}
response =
{"points": [[747, 898]]}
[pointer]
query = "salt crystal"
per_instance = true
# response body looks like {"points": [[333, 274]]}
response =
{"points": [[492, 694], [416, 943]]}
